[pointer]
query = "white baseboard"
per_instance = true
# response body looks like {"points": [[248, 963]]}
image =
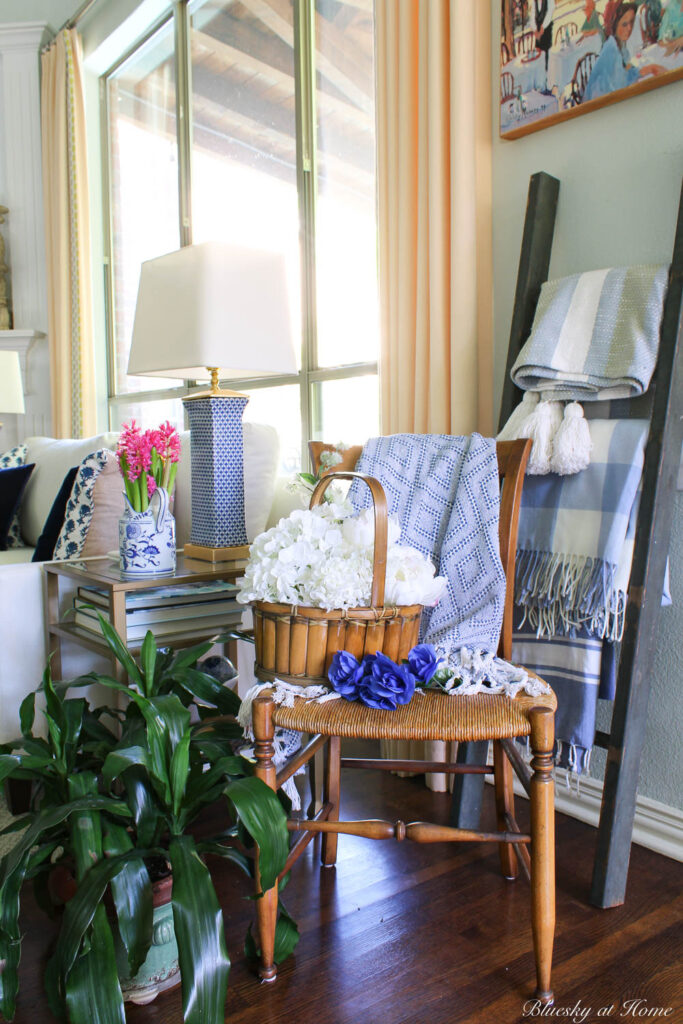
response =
{"points": [[656, 826]]}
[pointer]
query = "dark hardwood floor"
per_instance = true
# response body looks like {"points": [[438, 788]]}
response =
{"points": [[432, 934]]}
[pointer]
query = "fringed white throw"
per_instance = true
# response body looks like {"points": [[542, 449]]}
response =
{"points": [[287, 741]]}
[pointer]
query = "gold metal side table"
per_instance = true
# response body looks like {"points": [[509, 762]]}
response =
{"points": [[104, 573]]}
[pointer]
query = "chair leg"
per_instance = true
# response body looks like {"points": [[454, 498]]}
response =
{"points": [[505, 804], [266, 905], [542, 847], [328, 854]]}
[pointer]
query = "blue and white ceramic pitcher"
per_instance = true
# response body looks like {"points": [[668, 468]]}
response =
{"points": [[147, 539]]}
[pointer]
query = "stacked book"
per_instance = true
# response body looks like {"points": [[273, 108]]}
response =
{"points": [[167, 611]]}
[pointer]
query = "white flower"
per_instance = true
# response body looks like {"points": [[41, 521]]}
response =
{"points": [[324, 557]]}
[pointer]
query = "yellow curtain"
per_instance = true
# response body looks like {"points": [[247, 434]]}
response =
{"points": [[434, 184], [67, 236], [435, 252]]}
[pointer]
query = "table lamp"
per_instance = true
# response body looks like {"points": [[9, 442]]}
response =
{"points": [[208, 310], [11, 387]]}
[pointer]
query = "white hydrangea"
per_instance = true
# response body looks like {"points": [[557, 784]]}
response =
{"points": [[323, 557]]}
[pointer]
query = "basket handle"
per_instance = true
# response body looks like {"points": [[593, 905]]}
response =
{"points": [[379, 503]]}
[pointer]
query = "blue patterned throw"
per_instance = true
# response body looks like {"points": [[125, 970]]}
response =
{"points": [[595, 335], [446, 495]]}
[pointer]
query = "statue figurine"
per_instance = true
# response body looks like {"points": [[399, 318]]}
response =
{"points": [[5, 322]]}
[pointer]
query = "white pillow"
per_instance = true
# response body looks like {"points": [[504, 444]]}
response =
{"points": [[54, 457], [261, 452]]}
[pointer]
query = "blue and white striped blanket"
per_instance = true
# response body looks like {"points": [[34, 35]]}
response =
{"points": [[575, 542], [595, 335], [575, 549]]}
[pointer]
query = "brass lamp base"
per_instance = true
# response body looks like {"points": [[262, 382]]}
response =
{"points": [[214, 390], [207, 554]]}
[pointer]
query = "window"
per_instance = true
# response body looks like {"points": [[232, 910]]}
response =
{"points": [[278, 152]]}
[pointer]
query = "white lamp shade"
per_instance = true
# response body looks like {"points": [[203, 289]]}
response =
{"points": [[11, 387], [213, 305]]}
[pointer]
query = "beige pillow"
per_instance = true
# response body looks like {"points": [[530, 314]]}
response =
{"points": [[103, 532], [53, 458]]}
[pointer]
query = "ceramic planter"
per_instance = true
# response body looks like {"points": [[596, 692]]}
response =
{"points": [[147, 539], [160, 971]]}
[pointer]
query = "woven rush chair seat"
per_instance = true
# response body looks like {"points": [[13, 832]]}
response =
{"points": [[432, 716]]}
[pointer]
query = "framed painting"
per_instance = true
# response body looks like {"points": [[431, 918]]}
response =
{"points": [[562, 58]]}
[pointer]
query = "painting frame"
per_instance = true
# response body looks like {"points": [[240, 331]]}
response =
{"points": [[538, 88]]}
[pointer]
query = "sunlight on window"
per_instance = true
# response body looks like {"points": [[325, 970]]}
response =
{"points": [[144, 173]]}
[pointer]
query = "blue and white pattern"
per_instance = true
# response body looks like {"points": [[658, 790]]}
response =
{"points": [[576, 668], [595, 335], [575, 541], [217, 458], [80, 506], [445, 492], [147, 539], [576, 536], [10, 460]]}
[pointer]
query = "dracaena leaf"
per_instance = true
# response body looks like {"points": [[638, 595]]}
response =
{"points": [[205, 688], [198, 922], [148, 657], [93, 992], [132, 893], [261, 813]]}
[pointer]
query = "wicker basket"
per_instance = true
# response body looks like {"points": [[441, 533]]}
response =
{"points": [[298, 643]]}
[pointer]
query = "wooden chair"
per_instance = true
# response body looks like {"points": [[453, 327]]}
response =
{"points": [[504, 53], [579, 81], [526, 43], [507, 86], [569, 27], [434, 716]]}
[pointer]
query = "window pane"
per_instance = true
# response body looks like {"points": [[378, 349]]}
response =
{"points": [[348, 410], [280, 407], [144, 182], [346, 240], [148, 415], [243, 132]]}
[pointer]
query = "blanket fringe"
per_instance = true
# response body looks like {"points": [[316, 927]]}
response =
{"points": [[476, 671], [560, 593], [287, 741]]}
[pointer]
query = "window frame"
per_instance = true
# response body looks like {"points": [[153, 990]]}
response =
{"points": [[310, 373]]}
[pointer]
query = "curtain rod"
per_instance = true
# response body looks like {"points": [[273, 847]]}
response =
{"points": [[71, 22]]}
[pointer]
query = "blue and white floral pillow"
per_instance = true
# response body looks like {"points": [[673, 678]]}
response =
{"points": [[80, 506], [14, 457]]}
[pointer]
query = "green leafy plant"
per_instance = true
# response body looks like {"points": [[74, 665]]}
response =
{"points": [[114, 791]]}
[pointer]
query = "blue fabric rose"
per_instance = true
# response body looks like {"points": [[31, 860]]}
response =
{"points": [[423, 662], [386, 684], [345, 674]]}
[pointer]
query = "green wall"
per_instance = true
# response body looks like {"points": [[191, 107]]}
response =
{"points": [[620, 171]]}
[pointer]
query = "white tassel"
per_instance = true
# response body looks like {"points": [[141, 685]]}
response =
{"points": [[541, 426], [572, 445], [519, 414]]}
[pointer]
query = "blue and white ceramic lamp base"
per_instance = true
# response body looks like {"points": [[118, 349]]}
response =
{"points": [[217, 459]]}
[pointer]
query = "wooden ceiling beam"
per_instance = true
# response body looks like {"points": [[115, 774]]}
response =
{"points": [[250, 131], [230, 56], [274, 15]]}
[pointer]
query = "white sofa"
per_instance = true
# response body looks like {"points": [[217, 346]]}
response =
{"points": [[23, 649]]}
